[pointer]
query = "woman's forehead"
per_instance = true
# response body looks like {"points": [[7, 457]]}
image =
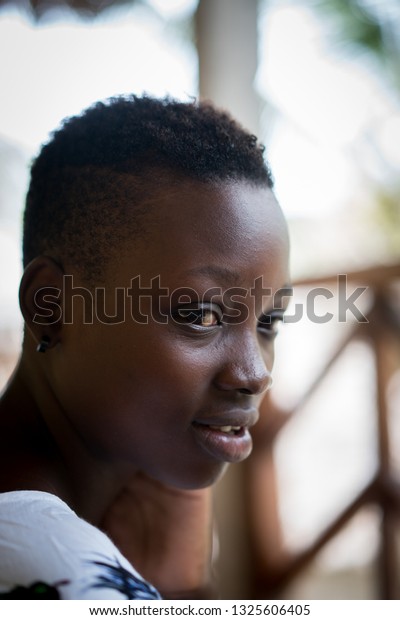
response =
{"points": [[228, 212], [198, 229]]}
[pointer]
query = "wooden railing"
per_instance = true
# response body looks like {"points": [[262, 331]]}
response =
{"points": [[273, 567]]}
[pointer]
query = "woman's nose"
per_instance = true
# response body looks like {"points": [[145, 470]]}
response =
{"points": [[245, 370]]}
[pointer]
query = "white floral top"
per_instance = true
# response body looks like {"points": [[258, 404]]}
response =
{"points": [[48, 552]]}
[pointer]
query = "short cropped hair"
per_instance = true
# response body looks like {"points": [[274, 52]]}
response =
{"points": [[91, 182]]}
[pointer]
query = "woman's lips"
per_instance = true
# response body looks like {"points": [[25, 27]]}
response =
{"points": [[228, 443]]}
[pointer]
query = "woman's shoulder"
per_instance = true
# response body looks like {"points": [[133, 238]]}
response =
{"points": [[47, 551]]}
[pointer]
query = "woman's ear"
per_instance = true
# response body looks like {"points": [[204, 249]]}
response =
{"points": [[40, 299]]}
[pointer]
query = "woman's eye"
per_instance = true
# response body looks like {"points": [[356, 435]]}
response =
{"points": [[269, 324], [201, 316]]}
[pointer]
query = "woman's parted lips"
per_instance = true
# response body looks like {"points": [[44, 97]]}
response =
{"points": [[229, 420], [225, 435]]}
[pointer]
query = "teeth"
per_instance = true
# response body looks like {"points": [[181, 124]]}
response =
{"points": [[226, 429]]}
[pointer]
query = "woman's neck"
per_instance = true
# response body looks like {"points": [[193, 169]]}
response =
{"points": [[40, 451]]}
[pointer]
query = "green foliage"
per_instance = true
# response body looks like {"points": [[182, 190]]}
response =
{"points": [[369, 26]]}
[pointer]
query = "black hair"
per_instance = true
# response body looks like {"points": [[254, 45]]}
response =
{"points": [[90, 182]]}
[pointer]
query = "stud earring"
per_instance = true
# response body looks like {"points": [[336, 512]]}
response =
{"points": [[43, 345]]}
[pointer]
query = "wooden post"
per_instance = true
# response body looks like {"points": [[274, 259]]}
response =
{"points": [[227, 44], [383, 342]]}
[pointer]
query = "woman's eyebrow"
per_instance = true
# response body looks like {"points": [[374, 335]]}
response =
{"points": [[232, 278], [218, 273]]}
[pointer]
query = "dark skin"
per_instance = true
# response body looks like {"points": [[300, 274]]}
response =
{"points": [[105, 419]]}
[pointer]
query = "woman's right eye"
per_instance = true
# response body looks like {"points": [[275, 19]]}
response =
{"points": [[207, 316]]}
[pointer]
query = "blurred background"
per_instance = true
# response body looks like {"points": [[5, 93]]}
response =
{"points": [[314, 513]]}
